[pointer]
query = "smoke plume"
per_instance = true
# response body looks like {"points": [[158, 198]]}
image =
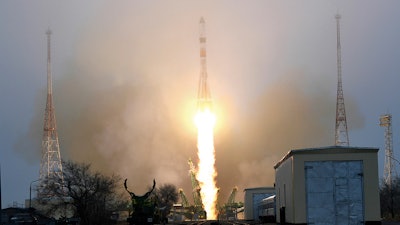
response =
{"points": [[126, 103]]}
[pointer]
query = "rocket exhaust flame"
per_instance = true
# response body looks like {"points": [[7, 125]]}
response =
{"points": [[205, 121]]}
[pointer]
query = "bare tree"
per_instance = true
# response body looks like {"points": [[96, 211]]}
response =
{"points": [[390, 197], [166, 195], [91, 196]]}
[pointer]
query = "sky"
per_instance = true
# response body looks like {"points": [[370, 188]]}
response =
{"points": [[125, 82]]}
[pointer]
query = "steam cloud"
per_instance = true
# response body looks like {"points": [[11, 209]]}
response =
{"points": [[127, 101]]}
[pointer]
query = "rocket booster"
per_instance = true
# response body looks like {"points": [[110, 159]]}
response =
{"points": [[203, 96]]}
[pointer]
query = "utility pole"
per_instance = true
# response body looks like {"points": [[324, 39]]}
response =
{"points": [[341, 135], [50, 165]]}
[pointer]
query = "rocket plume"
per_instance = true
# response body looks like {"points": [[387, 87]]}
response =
{"points": [[205, 122]]}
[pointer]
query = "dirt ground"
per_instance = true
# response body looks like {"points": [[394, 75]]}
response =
{"points": [[383, 223], [390, 223]]}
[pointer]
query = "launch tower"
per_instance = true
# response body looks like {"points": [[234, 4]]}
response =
{"points": [[50, 165], [341, 135], [198, 203]]}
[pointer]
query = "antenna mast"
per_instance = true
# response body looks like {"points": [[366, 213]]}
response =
{"points": [[50, 165], [390, 170], [341, 135]]}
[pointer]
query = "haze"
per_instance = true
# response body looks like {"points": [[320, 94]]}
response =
{"points": [[125, 81]]}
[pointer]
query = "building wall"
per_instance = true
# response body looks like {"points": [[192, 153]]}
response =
{"points": [[295, 180], [284, 189], [249, 203]]}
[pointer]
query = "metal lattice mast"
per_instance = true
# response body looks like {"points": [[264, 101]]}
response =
{"points": [[50, 165], [390, 171], [341, 135]]}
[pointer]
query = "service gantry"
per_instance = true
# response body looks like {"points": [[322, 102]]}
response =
{"points": [[198, 203], [185, 202]]}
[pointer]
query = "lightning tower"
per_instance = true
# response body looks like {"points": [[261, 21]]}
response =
{"points": [[341, 135], [50, 165], [390, 170]]}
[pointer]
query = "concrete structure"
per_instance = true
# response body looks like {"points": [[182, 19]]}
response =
{"points": [[329, 185], [252, 197]]}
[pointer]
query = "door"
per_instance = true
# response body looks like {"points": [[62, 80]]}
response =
{"points": [[334, 192]]}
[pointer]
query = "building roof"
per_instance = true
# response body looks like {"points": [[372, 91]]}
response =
{"points": [[259, 189], [327, 150]]}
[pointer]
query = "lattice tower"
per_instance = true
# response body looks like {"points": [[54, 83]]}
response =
{"points": [[341, 134], [389, 171], [50, 165]]}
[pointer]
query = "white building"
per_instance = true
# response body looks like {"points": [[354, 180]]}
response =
{"points": [[252, 197], [329, 185]]}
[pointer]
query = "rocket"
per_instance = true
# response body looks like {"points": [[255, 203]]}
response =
{"points": [[203, 95]]}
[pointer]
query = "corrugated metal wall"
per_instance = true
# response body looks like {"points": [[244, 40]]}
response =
{"points": [[334, 192]]}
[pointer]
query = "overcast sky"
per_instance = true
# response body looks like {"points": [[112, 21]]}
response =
{"points": [[125, 76]]}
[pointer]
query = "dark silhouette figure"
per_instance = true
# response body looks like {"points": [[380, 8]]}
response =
{"points": [[139, 200], [143, 209]]}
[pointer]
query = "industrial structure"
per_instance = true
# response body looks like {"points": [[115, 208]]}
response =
{"points": [[50, 165], [198, 208], [185, 202], [195, 211], [182, 211], [328, 185], [228, 210], [389, 173], [231, 209], [252, 198], [341, 135]]}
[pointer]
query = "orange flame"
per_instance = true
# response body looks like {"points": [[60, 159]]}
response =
{"points": [[205, 122]]}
